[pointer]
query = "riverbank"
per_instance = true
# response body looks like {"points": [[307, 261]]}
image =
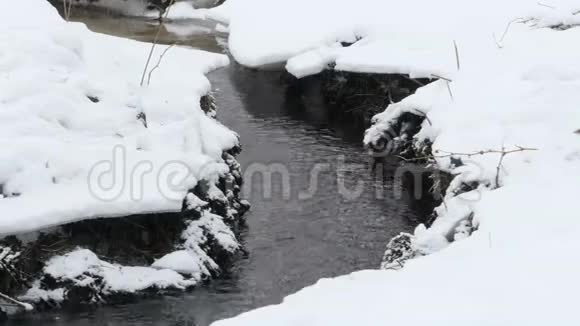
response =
{"points": [[109, 186], [502, 119]]}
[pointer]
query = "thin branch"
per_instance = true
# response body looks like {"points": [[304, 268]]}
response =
{"points": [[67, 7], [158, 63], [498, 168], [448, 86], [507, 28], [70, 6], [14, 302], [154, 43], [441, 77], [470, 154], [457, 55], [150, 54], [449, 90], [64, 8], [545, 5], [488, 151]]}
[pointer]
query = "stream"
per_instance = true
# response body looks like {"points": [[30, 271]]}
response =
{"points": [[291, 242]]}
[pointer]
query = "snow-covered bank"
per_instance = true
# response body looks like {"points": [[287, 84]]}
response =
{"points": [[81, 98], [503, 119], [393, 37], [82, 139]]}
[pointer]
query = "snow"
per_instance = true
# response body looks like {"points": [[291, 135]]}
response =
{"points": [[83, 267], [181, 261], [36, 294], [214, 226], [512, 87], [184, 10], [221, 28], [392, 37], [192, 259], [73, 144]]}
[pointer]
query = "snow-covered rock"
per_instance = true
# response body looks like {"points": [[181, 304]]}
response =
{"points": [[82, 276]]}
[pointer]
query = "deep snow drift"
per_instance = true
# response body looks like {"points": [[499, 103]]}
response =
{"points": [[82, 139], [510, 90]]}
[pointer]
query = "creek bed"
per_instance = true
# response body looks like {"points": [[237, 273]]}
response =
{"points": [[291, 239]]}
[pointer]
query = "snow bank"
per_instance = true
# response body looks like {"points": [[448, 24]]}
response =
{"points": [[411, 37], [519, 96], [80, 137], [517, 91]]}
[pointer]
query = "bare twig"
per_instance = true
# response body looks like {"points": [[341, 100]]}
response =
{"points": [[449, 90], [67, 7], [488, 151], [448, 86], [471, 154], [158, 63], [441, 77], [507, 28], [14, 302], [546, 5], [498, 168], [154, 44], [390, 97], [457, 55], [150, 54]]}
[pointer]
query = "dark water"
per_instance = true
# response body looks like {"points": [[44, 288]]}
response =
{"points": [[291, 242]]}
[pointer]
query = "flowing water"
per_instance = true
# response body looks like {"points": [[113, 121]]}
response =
{"points": [[291, 241]]}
